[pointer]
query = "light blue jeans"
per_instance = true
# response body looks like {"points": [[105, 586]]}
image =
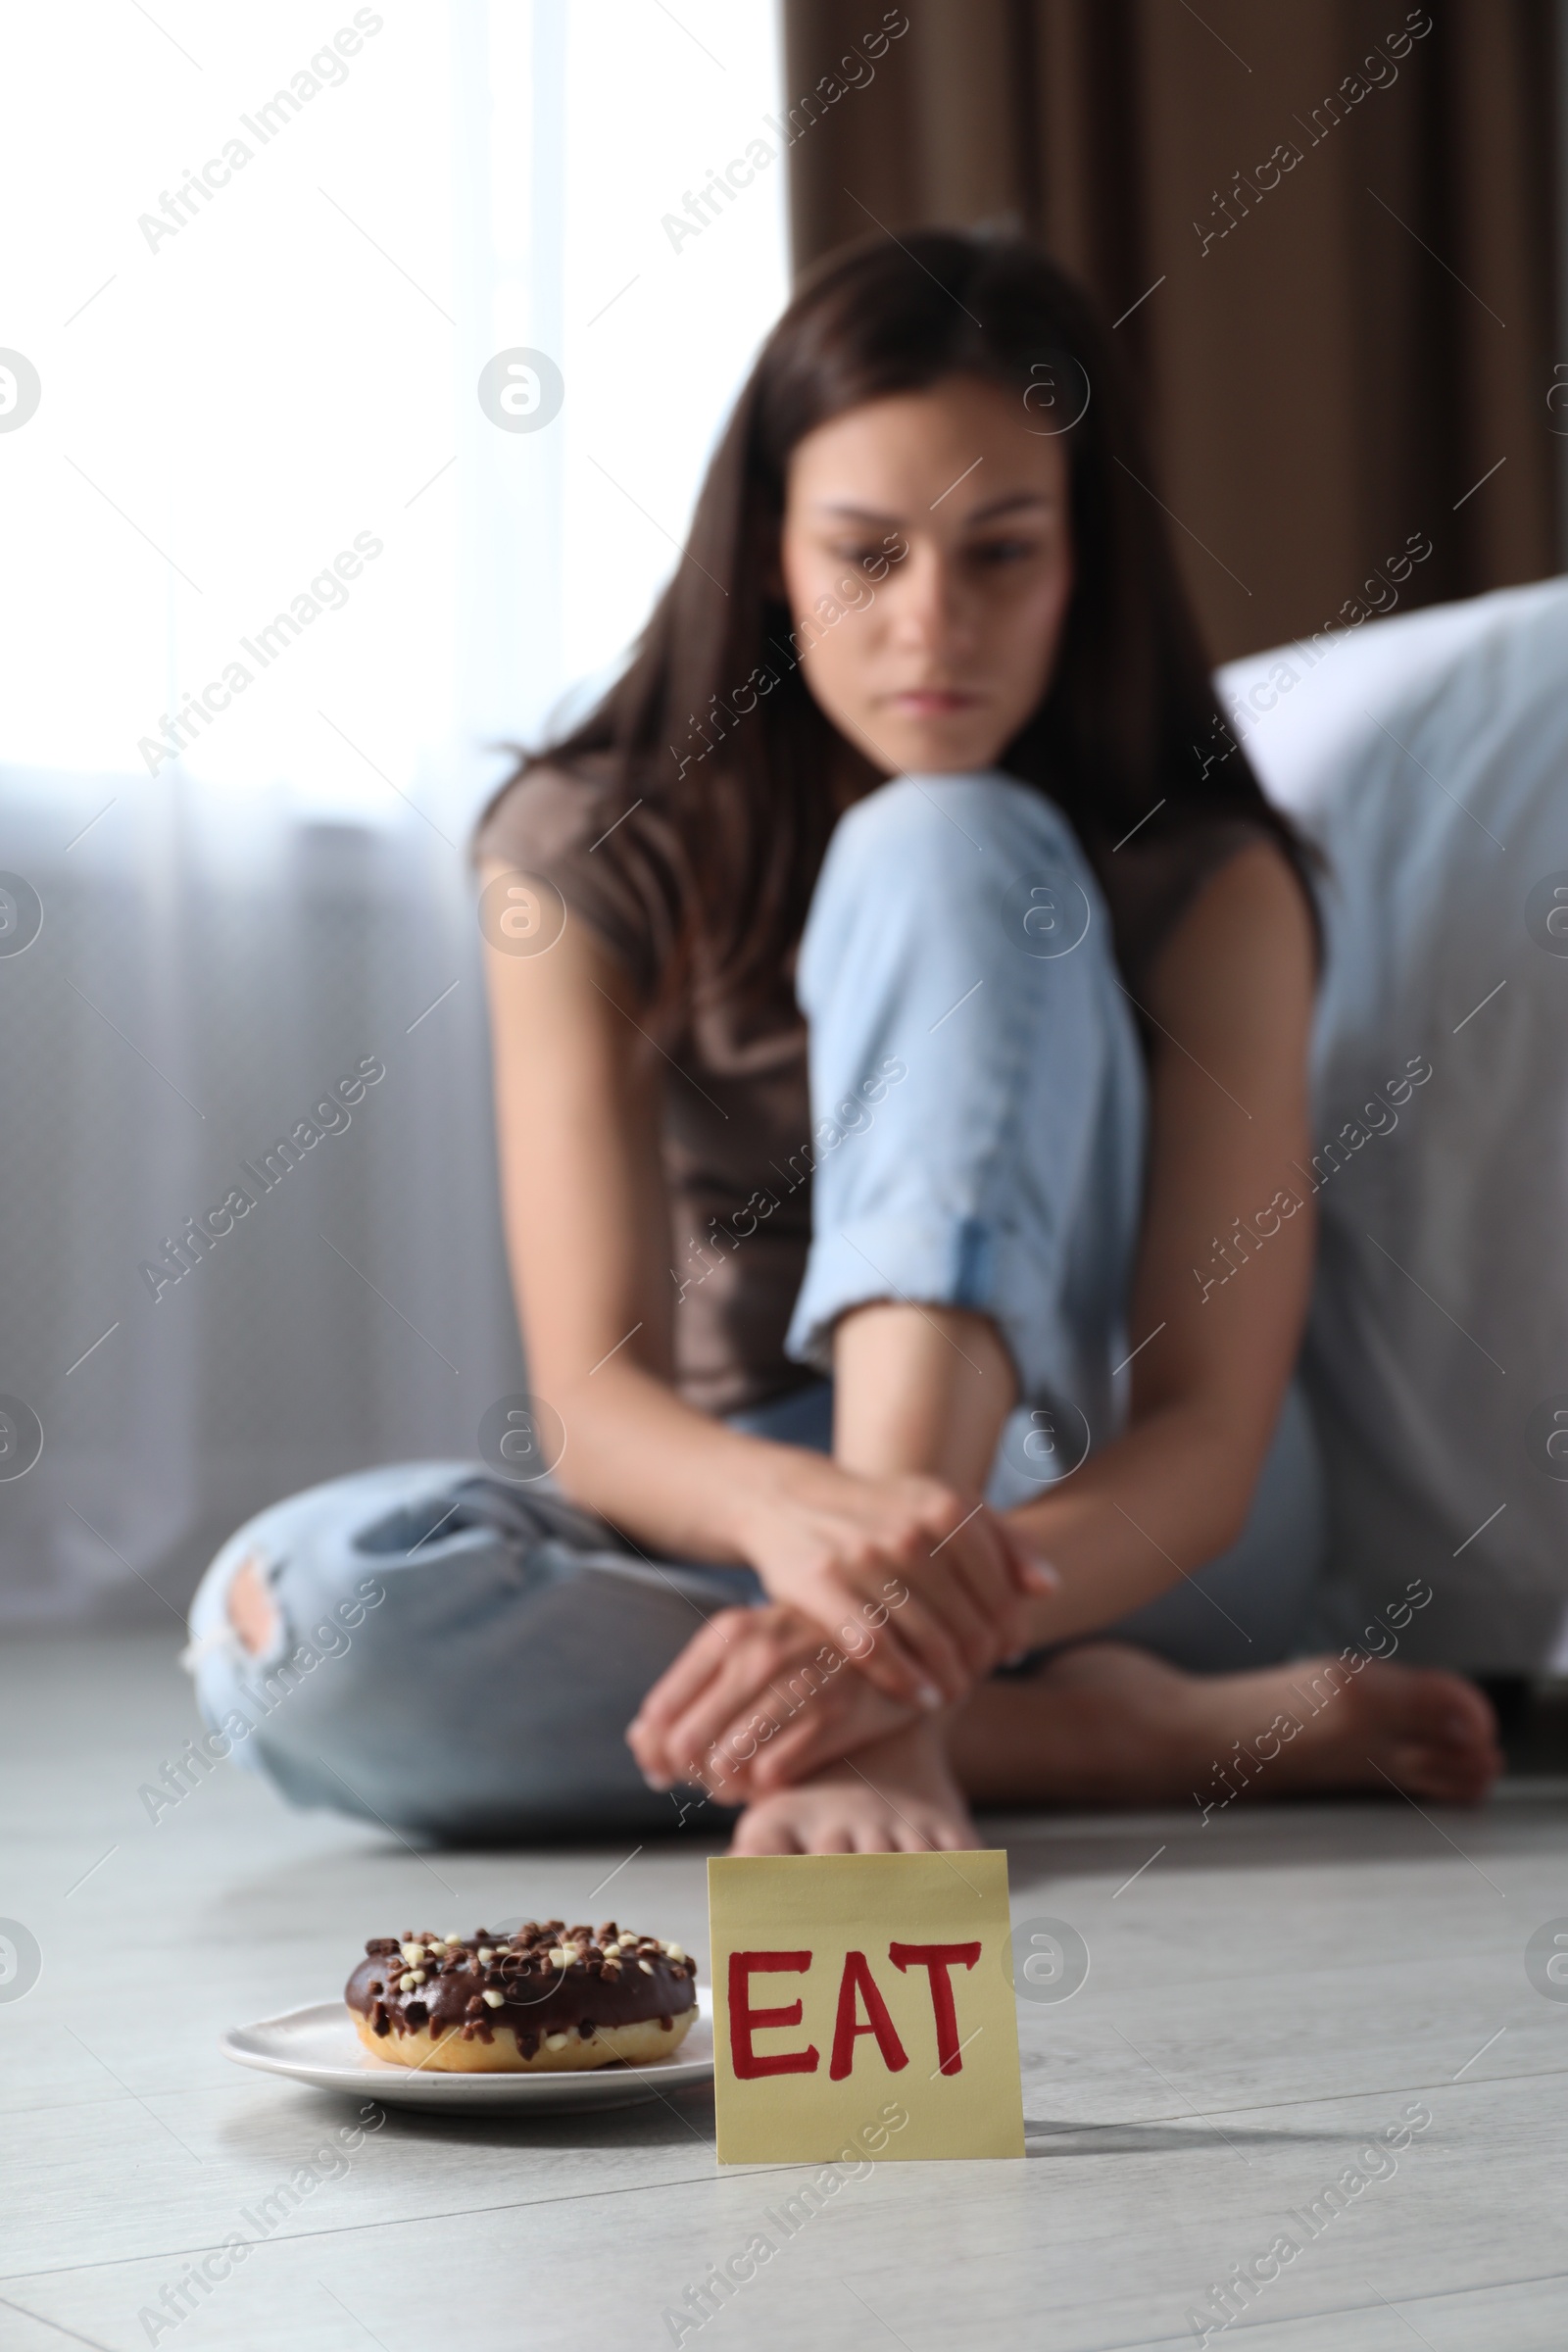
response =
{"points": [[458, 1655]]}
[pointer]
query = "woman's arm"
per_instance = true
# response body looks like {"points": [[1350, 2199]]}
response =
{"points": [[578, 1086], [1231, 998]]}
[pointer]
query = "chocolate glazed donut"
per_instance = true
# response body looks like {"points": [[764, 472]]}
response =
{"points": [[547, 1998]]}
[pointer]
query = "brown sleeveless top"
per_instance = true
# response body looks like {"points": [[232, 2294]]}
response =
{"points": [[737, 1109]]}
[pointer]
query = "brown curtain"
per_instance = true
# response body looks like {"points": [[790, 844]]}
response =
{"points": [[1352, 254]]}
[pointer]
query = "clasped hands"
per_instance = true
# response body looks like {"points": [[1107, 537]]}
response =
{"points": [[887, 1597]]}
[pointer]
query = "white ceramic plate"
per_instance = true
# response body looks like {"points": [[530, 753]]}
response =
{"points": [[318, 2044]]}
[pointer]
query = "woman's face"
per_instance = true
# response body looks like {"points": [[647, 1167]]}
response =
{"points": [[927, 564]]}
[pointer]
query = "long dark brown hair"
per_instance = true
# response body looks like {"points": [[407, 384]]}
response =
{"points": [[1130, 718]]}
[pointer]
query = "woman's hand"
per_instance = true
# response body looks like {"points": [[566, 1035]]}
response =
{"points": [[758, 1701], [936, 1577]]}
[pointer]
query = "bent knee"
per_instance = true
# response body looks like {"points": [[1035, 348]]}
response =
{"points": [[952, 849], [973, 870], [958, 819], [251, 1611]]}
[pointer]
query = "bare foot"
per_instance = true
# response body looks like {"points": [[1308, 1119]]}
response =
{"points": [[1106, 1724], [895, 1796]]}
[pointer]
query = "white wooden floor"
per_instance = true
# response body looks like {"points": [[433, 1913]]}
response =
{"points": [[1265, 1994]]}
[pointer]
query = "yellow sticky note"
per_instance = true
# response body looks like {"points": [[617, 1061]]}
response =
{"points": [[864, 2004]]}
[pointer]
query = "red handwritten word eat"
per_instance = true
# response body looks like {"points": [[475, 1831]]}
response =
{"points": [[857, 1988]]}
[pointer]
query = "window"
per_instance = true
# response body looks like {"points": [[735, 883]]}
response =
{"points": [[260, 506]]}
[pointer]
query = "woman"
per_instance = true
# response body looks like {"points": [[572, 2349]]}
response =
{"points": [[900, 1017]]}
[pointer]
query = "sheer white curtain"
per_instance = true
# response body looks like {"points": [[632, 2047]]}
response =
{"points": [[276, 583]]}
